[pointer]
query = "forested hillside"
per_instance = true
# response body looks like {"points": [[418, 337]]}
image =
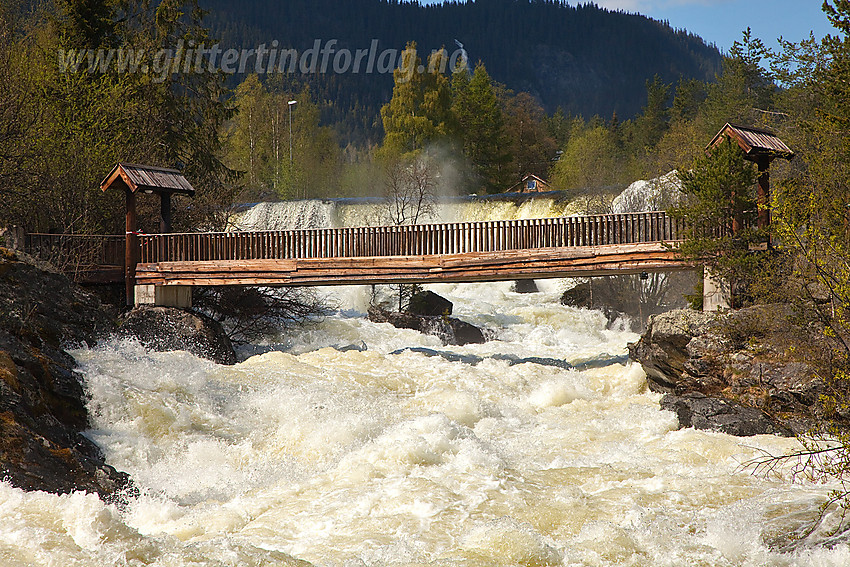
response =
{"points": [[585, 59]]}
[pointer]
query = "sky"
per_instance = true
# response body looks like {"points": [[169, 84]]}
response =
{"points": [[722, 22]]}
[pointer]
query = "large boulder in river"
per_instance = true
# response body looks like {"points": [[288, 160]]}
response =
{"points": [[450, 330], [525, 286], [743, 358], [580, 295], [672, 348], [429, 304], [461, 332], [168, 328], [42, 401]]}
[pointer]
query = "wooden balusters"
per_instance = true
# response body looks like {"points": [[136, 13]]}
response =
{"points": [[425, 239]]}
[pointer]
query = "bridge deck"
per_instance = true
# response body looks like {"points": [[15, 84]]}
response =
{"points": [[447, 252]]}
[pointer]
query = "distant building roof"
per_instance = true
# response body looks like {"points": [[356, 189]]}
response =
{"points": [[530, 184], [755, 142], [147, 178]]}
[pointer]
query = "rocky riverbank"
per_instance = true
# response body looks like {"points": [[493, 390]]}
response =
{"points": [[42, 399], [42, 402], [736, 372]]}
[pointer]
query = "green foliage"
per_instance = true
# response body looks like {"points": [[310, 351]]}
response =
{"points": [[86, 23], [744, 89], [720, 187], [651, 124], [257, 143], [481, 123], [720, 210], [592, 159], [695, 299], [419, 113], [559, 126], [248, 141], [811, 202], [689, 96], [529, 144], [70, 127], [502, 135]]}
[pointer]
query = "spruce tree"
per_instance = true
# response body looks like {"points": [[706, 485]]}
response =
{"points": [[478, 112], [418, 113], [720, 208]]}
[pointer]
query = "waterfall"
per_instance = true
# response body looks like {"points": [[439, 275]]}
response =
{"points": [[287, 215], [656, 194], [337, 213], [644, 195]]}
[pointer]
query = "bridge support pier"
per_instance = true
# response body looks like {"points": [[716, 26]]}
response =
{"points": [[164, 295], [716, 292]]}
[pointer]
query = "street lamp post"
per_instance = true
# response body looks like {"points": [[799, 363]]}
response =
{"points": [[291, 104]]}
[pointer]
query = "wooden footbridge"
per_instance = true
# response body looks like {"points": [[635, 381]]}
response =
{"points": [[162, 265], [162, 268]]}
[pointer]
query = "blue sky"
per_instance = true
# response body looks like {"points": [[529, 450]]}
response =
{"points": [[722, 21]]}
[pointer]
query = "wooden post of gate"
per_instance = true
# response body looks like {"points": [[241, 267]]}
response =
{"points": [[131, 246]]}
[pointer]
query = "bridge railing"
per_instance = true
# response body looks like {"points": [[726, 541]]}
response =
{"points": [[413, 240], [72, 253]]}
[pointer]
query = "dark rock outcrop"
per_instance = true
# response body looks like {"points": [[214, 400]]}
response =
{"points": [[429, 304], [525, 286], [580, 295], [41, 304], [461, 332], [701, 412], [737, 361], [450, 330], [167, 329], [671, 350], [42, 402]]}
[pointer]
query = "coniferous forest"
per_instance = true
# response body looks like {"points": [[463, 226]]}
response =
{"points": [[584, 60]]}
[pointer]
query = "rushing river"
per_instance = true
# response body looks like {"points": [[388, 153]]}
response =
{"points": [[379, 455]]}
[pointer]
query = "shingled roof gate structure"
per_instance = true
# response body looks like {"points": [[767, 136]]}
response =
{"points": [[759, 146], [133, 179]]}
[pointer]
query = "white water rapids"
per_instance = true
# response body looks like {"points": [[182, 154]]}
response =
{"points": [[373, 458], [385, 456]]}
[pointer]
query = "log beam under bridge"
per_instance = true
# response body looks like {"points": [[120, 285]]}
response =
{"points": [[541, 263]]}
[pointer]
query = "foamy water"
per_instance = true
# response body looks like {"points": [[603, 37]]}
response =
{"points": [[643, 195], [373, 458], [335, 213]]}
